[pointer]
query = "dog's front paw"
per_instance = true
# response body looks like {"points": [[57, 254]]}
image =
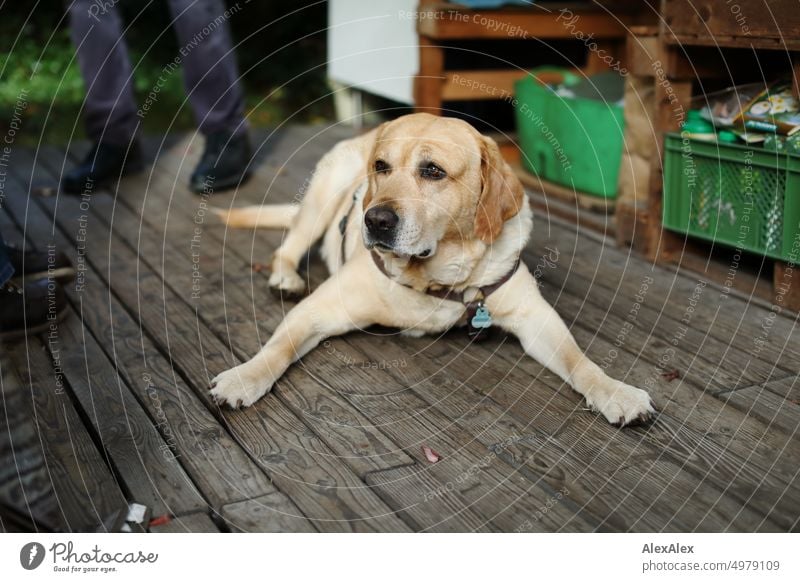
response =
{"points": [[287, 284], [239, 386], [621, 404]]}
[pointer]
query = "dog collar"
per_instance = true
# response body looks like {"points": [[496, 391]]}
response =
{"points": [[478, 318]]}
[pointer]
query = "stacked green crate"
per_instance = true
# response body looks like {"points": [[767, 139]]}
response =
{"points": [[572, 141], [745, 197]]}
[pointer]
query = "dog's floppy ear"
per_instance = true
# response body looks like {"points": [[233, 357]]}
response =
{"points": [[502, 195], [370, 170]]}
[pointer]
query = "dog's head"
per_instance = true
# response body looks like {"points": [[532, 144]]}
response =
{"points": [[435, 179]]}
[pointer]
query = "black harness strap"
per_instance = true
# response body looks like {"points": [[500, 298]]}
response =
{"points": [[343, 224]]}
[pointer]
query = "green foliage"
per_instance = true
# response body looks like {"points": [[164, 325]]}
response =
{"points": [[44, 76]]}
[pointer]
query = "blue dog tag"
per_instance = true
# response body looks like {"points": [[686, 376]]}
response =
{"points": [[481, 319]]}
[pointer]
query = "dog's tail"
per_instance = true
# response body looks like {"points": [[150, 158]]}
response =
{"points": [[264, 216]]}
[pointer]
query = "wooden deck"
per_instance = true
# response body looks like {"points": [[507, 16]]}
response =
{"points": [[166, 299]]}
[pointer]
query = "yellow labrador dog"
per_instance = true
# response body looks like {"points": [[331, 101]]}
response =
{"points": [[423, 225]]}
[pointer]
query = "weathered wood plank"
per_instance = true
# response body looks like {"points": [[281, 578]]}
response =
{"points": [[757, 332], [88, 495], [128, 440], [776, 404], [787, 388], [131, 442], [679, 335], [191, 432], [26, 490], [136, 449], [669, 353], [412, 490], [494, 490], [266, 514]]}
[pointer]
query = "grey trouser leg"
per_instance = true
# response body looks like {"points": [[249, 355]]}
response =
{"points": [[204, 51], [209, 64], [110, 109], [6, 270]]}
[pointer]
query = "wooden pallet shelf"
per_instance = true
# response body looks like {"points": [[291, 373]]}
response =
{"points": [[445, 23], [686, 25]]}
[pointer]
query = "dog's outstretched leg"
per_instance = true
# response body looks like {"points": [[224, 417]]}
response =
{"points": [[519, 308], [335, 176], [345, 302]]}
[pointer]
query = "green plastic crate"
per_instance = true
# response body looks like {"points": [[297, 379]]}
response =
{"points": [[573, 142], [744, 197]]}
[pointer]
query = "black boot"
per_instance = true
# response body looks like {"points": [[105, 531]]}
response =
{"points": [[102, 165], [31, 308], [32, 265], [225, 163]]}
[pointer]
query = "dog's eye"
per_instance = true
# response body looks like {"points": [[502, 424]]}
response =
{"points": [[381, 167], [432, 172]]}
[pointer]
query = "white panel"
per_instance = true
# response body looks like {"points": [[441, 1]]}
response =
{"points": [[372, 45]]}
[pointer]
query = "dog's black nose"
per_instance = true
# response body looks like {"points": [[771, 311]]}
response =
{"points": [[381, 220]]}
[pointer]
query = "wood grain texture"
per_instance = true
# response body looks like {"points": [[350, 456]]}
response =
{"points": [[137, 450], [422, 501], [498, 494], [265, 514], [688, 439], [695, 412], [217, 464], [26, 491], [87, 493], [745, 24], [749, 330], [776, 403], [123, 428], [525, 24], [670, 331]]}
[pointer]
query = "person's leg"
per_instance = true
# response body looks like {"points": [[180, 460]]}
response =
{"points": [[110, 109], [212, 85], [209, 65], [6, 268]]}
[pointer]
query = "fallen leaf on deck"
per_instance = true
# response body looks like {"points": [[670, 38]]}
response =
{"points": [[430, 454], [671, 375]]}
